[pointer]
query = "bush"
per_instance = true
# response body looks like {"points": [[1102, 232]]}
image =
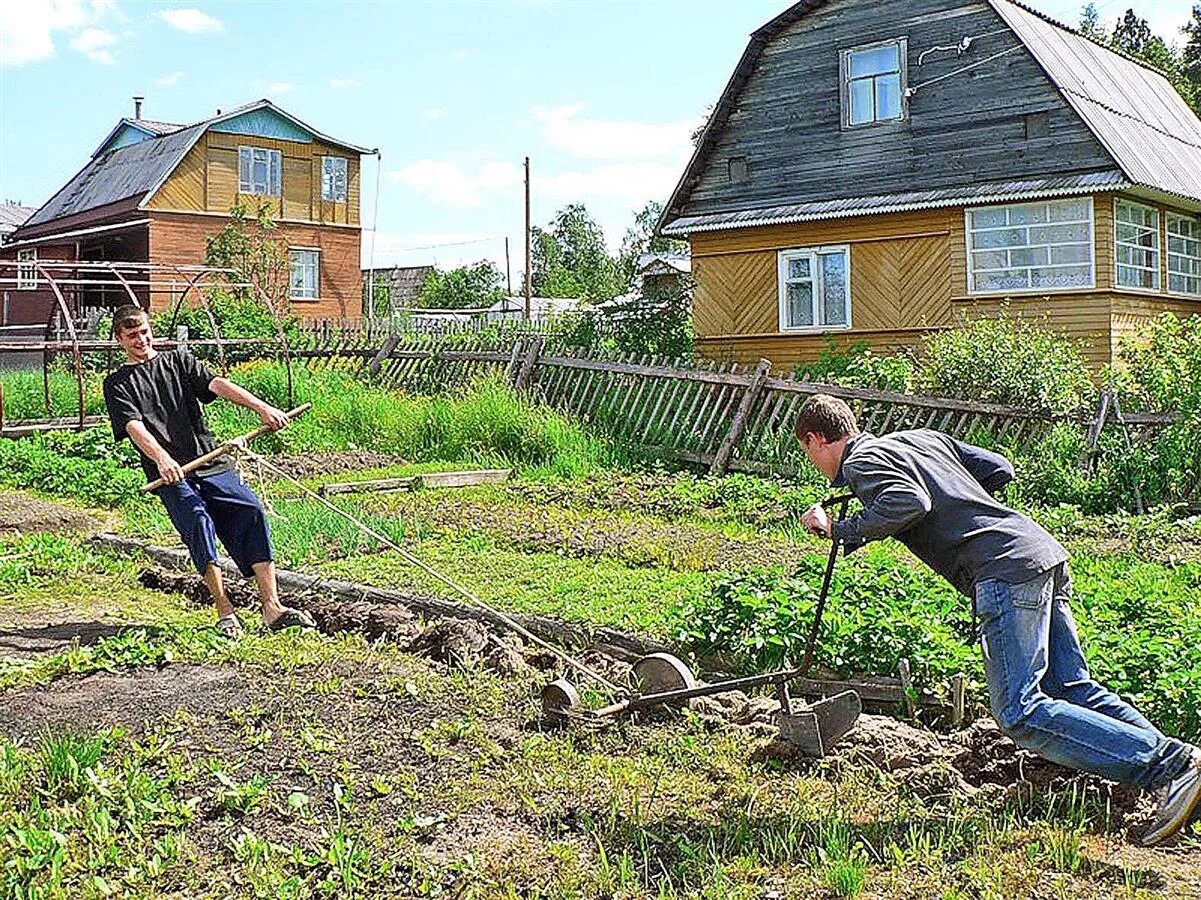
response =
{"points": [[84, 465], [857, 366], [1006, 361]]}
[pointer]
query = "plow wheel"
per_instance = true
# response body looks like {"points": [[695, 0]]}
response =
{"points": [[660, 672], [559, 698]]}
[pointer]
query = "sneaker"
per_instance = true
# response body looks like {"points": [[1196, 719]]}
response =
{"points": [[1176, 803], [230, 627]]}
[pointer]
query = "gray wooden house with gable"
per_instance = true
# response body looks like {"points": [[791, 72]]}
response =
{"points": [[876, 169]]}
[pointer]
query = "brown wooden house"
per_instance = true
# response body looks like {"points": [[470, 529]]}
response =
{"points": [[153, 191], [876, 169]]}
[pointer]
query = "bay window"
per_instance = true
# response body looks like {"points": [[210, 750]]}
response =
{"points": [[1040, 246]]}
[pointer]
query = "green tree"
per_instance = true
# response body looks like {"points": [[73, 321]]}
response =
{"points": [[569, 258], [1190, 58], [1090, 24], [467, 287], [641, 238], [249, 244]]}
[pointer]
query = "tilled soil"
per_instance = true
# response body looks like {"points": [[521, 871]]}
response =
{"points": [[308, 465], [25, 514]]}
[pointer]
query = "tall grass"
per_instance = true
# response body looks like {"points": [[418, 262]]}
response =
{"points": [[485, 423], [24, 394]]}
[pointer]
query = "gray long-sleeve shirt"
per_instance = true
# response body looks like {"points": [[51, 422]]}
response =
{"points": [[934, 494]]}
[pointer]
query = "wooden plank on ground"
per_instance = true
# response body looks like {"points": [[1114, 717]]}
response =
{"points": [[468, 478]]}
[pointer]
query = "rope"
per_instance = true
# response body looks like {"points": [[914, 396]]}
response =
{"points": [[241, 448]]}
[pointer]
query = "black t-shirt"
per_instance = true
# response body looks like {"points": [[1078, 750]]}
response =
{"points": [[164, 394]]}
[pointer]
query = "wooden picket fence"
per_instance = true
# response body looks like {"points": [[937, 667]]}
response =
{"points": [[724, 416]]}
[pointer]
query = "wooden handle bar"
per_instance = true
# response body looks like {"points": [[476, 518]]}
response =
{"points": [[226, 448]]}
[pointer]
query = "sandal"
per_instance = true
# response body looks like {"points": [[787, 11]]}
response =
{"points": [[292, 618], [229, 627]]}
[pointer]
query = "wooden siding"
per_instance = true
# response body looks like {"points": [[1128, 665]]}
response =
{"points": [[1131, 313], [785, 351], [968, 127], [207, 180], [900, 273], [179, 238]]}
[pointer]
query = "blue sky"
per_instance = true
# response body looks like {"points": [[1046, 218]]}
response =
{"points": [[601, 94]]}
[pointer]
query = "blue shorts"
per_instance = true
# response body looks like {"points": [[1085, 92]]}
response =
{"points": [[219, 506]]}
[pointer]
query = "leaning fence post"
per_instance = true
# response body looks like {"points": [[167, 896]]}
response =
{"points": [[721, 460], [530, 361], [385, 351], [511, 368], [1094, 433]]}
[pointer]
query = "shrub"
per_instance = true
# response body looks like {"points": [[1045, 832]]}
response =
{"points": [[1008, 361], [85, 465], [857, 366]]}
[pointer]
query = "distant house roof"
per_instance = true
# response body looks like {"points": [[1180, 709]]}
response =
{"points": [[540, 307], [1131, 108], [663, 264], [12, 215], [133, 171], [404, 282]]}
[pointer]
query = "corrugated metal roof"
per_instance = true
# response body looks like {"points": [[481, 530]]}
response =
{"points": [[157, 127], [1058, 186], [1132, 109], [12, 215], [126, 172]]}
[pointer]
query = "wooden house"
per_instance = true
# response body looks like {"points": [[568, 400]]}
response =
{"points": [[876, 169], [153, 191]]}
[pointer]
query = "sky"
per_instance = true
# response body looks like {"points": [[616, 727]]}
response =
{"points": [[602, 95]]}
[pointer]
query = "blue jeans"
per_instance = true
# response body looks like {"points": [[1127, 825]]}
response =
{"points": [[1043, 697], [219, 506]]}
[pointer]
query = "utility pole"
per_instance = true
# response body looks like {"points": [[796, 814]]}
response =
{"points": [[527, 239], [508, 277]]}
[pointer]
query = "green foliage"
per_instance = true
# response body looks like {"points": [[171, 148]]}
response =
{"points": [[641, 238], [1005, 360], [880, 611], [248, 244], [1133, 36], [570, 259], [857, 366], [84, 465], [24, 393], [475, 286], [657, 321]]}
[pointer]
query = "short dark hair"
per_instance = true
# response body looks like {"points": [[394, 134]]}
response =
{"points": [[828, 416], [129, 316]]}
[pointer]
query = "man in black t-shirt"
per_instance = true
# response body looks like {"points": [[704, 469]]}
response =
{"points": [[154, 400]]}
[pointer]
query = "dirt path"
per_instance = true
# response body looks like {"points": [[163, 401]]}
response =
{"points": [[25, 514]]}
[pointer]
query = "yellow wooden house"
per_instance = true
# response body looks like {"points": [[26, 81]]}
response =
{"points": [[878, 169]]}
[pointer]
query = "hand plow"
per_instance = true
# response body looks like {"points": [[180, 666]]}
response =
{"points": [[664, 680]]}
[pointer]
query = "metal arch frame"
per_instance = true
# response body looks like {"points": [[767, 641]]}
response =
{"points": [[195, 278]]}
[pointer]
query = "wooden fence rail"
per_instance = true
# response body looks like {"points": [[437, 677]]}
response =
{"points": [[723, 416]]}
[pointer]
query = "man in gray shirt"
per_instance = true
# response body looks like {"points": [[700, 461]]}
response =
{"points": [[935, 495]]}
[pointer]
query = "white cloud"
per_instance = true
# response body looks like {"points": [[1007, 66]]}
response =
{"points": [[94, 43], [634, 183], [339, 84], [565, 129], [445, 181], [433, 113], [193, 21], [280, 87], [27, 29], [168, 80]]}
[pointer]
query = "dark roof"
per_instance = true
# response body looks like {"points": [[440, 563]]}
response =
{"points": [[137, 170], [128, 171], [1132, 109]]}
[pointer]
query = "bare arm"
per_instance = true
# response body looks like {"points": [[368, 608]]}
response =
{"points": [[168, 469], [274, 418]]}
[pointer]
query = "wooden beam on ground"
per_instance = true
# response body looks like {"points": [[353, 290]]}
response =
{"points": [[25, 427], [615, 643], [411, 482]]}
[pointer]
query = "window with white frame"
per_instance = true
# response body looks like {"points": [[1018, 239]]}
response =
{"points": [[1137, 245], [306, 272], [259, 171], [27, 275], [1184, 255], [873, 83], [1031, 246], [815, 288], [333, 178]]}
